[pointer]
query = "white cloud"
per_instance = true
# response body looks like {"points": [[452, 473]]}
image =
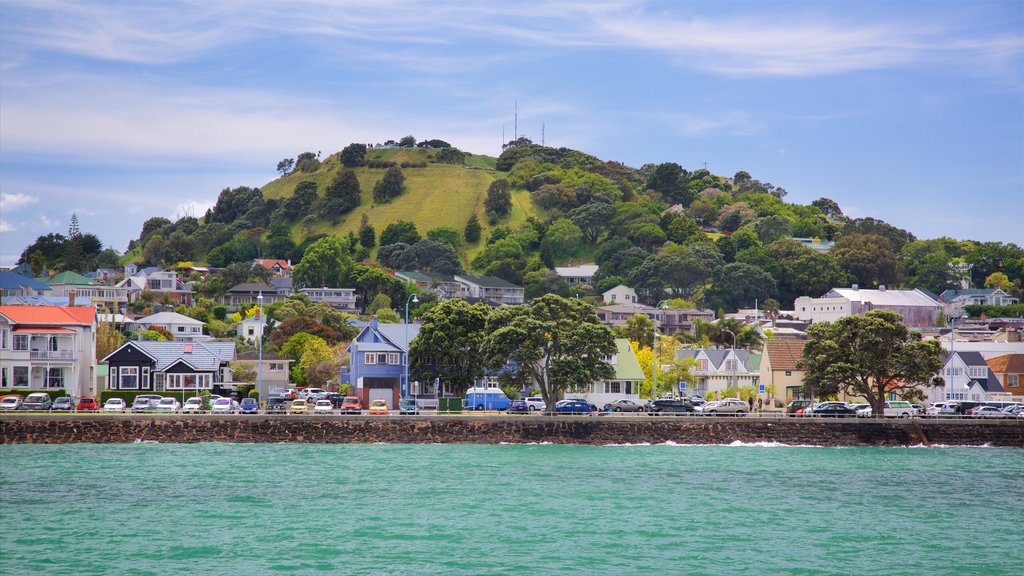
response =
{"points": [[6, 226], [194, 208], [12, 202]]}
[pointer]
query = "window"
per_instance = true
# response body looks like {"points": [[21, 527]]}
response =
{"points": [[252, 331], [21, 341], [129, 378], [51, 344], [277, 366], [1013, 380], [382, 358], [20, 376], [3, 378], [3, 339], [789, 372], [393, 358], [371, 358], [181, 328], [613, 388], [145, 378], [55, 378]]}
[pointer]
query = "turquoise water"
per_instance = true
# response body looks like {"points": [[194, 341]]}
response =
{"points": [[513, 509]]}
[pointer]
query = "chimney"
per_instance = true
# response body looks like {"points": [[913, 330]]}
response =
{"points": [[856, 287], [881, 287], [188, 348], [71, 297]]}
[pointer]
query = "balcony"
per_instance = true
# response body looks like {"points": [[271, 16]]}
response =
{"points": [[54, 355]]}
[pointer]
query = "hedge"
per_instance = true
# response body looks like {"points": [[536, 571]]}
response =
{"points": [[129, 395]]}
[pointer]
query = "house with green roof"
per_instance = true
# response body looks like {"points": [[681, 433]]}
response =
{"points": [[625, 384], [81, 291]]}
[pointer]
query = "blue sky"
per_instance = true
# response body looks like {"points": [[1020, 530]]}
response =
{"points": [[912, 112]]}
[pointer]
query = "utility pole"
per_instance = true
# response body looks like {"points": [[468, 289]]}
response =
{"points": [[516, 129], [542, 134]]}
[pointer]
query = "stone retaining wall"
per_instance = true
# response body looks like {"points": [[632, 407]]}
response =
{"points": [[102, 429]]}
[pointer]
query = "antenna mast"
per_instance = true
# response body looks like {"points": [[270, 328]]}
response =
{"points": [[542, 134]]}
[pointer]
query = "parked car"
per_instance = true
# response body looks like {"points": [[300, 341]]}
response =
{"points": [[987, 412], [36, 402], [11, 402], [408, 406], [796, 405], [731, 406], [518, 406], [323, 406], [379, 407], [141, 404], [249, 406], [624, 405], [168, 405], [697, 400], [336, 399], [351, 405], [277, 405], [306, 393], [299, 406], [535, 404], [87, 405], [833, 410], [63, 404], [893, 409], [936, 409], [572, 406], [193, 405], [669, 406], [115, 405], [224, 406]]}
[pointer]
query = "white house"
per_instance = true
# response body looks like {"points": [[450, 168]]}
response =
{"points": [[624, 385], [491, 288], [573, 275], [343, 299], [967, 377], [182, 327], [251, 329], [916, 307], [621, 294], [953, 301], [719, 370], [48, 347]]}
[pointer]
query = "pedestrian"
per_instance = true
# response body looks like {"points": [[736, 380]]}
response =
{"points": [[750, 402]]}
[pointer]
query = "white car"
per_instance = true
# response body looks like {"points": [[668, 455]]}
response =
{"points": [[168, 405], [193, 405], [936, 409], [115, 405], [224, 406], [323, 407], [310, 393], [535, 404], [893, 409]]}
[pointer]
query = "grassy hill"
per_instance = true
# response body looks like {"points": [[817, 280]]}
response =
{"points": [[438, 195]]}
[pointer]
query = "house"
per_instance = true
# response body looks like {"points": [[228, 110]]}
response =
{"points": [[953, 301], [967, 377], [163, 366], [249, 293], [490, 289], [783, 381], [720, 370], [625, 384], [669, 320], [276, 370], [444, 286], [180, 326], [283, 286], [120, 322], [576, 275], [75, 286], [43, 301], [280, 268], [816, 244], [621, 294], [916, 307], [12, 284], [160, 283], [342, 299], [378, 360], [48, 347], [1009, 370]]}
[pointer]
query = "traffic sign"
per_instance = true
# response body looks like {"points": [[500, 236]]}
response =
{"points": [[682, 386], [761, 387]]}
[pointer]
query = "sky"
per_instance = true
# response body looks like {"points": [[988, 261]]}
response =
{"points": [[911, 112]]}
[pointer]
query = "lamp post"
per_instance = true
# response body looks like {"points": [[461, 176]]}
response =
{"points": [[734, 382], [405, 382], [259, 346], [654, 350]]}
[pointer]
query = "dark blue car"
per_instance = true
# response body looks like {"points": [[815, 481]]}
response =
{"points": [[572, 406], [249, 406], [518, 407]]}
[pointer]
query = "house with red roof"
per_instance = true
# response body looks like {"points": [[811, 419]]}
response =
{"points": [[280, 268], [48, 348], [1009, 369]]}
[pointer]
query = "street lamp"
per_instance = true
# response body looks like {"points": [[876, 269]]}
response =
{"points": [[259, 340], [735, 383], [405, 382], [654, 349]]}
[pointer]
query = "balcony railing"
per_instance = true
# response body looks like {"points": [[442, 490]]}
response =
{"points": [[48, 355]]}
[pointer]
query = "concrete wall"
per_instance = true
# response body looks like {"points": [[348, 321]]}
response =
{"points": [[52, 429]]}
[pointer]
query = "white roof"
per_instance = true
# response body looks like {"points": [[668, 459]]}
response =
{"points": [[619, 287], [115, 318], [886, 297], [585, 270], [169, 318]]}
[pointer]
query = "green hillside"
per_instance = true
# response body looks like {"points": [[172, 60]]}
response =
{"points": [[437, 195]]}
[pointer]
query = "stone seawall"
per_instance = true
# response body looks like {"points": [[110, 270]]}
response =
{"points": [[104, 429]]}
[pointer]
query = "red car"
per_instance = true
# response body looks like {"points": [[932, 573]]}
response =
{"points": [[87, 404], [350, 405]]}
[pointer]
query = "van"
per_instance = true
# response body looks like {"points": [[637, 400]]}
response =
{"points": [[485, 399], [899, 409]]}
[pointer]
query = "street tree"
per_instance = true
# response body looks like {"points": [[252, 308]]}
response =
{"points": [[873, 355], [558, 342], [449, 343]]}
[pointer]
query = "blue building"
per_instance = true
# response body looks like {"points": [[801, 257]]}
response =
{"points": [[379, 356]]}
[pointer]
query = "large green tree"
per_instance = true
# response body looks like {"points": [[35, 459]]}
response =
{"points": [[558, 342], [390, 186], [869, 258], [449, 344], [871, 355], [326, 263]]}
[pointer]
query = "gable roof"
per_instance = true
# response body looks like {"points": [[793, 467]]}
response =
{"points": [[620, 286], [205, 356], [270, 263], [968, 358], [12, 281], [1007, 364], [783, 354], [392, 337], [252, 288], [487, 281], [626, 365], [886, 297], [50, 315], [70, 278], [951, 294], [584, 270], [168, 318]]}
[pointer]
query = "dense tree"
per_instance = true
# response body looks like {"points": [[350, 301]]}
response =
{"points": [[235, 203], [390, 186], [734, 216], [367, 235], [450, 156], [798, 270], [242, 272], [472, 231], [292, 326], [873, 355], [898, 237], [425, 255], [504, 258], [433, 143], [737, 285], [353, 154], [449, 344], [326, 263], [285, 166], [154, 251], [341, 196], [400, 231], [593, 219], [370, 281], [541, 282], [299, 203], [670, 180], [771, 228], [563, 238], [828, 207], [869, 258], [307, 162], [407, 141], [681, 229], [499, 197], [445, 235], [678, 273], [558, 342], [988, 257], [639, 329]]}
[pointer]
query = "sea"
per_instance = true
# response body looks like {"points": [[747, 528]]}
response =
{"points": [[466, 509]]}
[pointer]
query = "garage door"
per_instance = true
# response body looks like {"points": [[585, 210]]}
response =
{"points": [[384, 393]]}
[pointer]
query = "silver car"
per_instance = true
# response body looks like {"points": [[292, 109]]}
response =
{"points": [[736, 407]]}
